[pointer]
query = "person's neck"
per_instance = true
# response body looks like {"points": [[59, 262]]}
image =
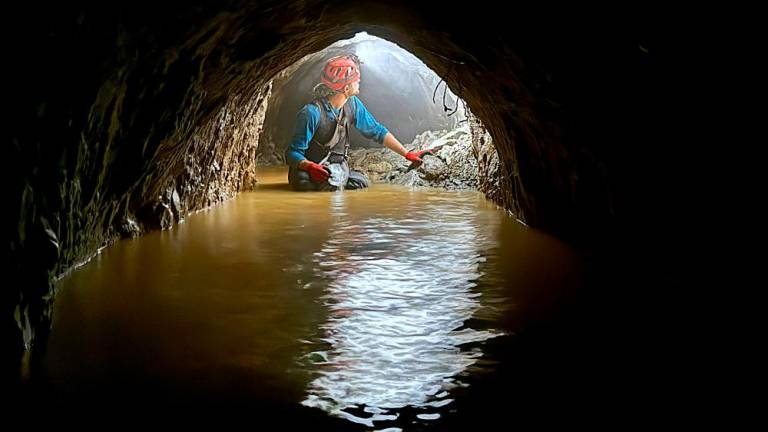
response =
{"points": [[338, 100]]}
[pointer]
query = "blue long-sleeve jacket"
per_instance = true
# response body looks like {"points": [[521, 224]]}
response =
{"points": [[309, 116]]}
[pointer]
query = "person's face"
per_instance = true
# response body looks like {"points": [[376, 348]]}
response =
{"points": [[353, 89]]}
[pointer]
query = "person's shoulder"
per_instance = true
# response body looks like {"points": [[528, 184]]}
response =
{"points": [[310, 109], [312, 105], [357, 103]]}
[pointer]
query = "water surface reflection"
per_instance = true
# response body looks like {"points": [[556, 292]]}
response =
{"points": [[399, 294]]}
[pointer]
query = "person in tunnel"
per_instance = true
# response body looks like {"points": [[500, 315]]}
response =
{"points": [[318, 152]]}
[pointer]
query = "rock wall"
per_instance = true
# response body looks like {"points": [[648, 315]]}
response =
{"points": [[127, 115]]}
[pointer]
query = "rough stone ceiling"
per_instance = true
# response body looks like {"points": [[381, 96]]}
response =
{"points": [[117, 105]]}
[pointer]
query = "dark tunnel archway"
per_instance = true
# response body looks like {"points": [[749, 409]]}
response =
{"points": [[150, 117], [398, 89]]}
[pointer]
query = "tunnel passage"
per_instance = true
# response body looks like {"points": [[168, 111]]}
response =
{"points": [[403, 96], [401, 92], [128, 120]]}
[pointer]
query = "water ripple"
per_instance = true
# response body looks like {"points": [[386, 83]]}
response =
{"points": [[399, 294]]}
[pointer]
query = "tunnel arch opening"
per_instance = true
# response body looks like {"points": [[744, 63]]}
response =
{"points": [[410, 100], [141, 121]]}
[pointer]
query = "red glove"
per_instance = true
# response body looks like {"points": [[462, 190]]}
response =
{"points": [[317, 172], [415, 156]]}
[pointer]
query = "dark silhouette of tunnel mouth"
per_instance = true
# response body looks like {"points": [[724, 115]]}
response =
{"points": [[136, 135]]}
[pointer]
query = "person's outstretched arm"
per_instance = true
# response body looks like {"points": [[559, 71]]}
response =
{"points": [[393, 144], [369, 127]]}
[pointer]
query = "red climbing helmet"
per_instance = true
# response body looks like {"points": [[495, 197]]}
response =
{"points": [[340, 71]]}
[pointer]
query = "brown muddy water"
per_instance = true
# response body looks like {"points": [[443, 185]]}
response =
{"points": [[379, 309]]}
